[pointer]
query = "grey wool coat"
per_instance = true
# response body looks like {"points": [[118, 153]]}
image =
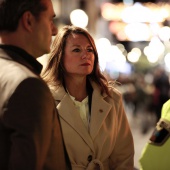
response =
{"points": [[108, 145]]}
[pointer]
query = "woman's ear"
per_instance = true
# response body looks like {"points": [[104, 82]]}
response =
{"points": [[27, 20]]}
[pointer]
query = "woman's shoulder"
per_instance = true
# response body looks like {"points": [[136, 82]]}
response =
{"points": [[57, 92], [114, 91]]}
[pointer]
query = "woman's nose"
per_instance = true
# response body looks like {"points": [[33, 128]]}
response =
{"points": [[85, 55]]}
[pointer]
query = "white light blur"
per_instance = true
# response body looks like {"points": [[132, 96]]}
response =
{"points": [[109, 54], [136, 13], [134, 55], [108, 10], [154, 27], [117, 55], [154, 50], [121, 36], [114, 68], [164, 13], [137, 32], [167, 61], [148, 18], [157, 16], [164, 33], [117, 63], [79, 18], [103, 46], [103, 41], [131, 12]]}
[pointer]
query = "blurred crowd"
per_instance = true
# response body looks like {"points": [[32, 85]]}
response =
{"points": [[145, 93]]}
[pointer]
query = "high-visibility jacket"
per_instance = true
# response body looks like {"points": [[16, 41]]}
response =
{"points": [[156, 153]]}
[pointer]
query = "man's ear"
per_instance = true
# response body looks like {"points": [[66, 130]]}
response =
{"points": [[28, 20]]}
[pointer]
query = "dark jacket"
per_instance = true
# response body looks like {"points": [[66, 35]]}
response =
{"points": [[30, 134]]}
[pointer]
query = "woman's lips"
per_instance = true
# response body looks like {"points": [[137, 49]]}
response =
{"points": [[85, 64]]}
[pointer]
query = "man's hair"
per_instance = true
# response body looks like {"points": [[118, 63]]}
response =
{"points": [[12, 10]]}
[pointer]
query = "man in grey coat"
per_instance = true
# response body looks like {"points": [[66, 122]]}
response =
{"points": [[30, 134]]}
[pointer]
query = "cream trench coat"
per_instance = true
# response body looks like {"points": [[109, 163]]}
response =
{"points": [[109, 144]]}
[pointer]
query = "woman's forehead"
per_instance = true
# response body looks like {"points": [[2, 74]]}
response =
{"points": [[77, 38]]}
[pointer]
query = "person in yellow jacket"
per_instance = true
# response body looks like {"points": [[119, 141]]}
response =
{"points": [[156, 153]]}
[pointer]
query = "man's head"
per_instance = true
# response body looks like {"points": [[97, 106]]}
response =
{"points": [[27, 24], [12, 10]]}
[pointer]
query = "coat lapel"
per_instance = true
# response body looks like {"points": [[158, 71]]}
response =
{"points": [[99, 111], [71, 115]]}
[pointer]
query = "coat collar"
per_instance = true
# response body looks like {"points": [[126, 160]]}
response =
{"points": [[60, 92], [99, 111], [21, 56]]}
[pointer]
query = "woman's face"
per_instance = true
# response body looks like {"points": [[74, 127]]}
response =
{"points": [[78, 56]]}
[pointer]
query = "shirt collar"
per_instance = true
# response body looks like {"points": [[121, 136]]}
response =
{"points": [[21, 56]]}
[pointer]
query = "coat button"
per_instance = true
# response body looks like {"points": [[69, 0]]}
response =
{"points": [[89, 158], [101, 110]]}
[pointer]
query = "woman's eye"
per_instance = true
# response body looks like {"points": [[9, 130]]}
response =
{"points": [[90, 50], [76, 50]]}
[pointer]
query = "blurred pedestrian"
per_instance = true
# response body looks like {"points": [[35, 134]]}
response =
{"points": [[94, 124], [30, 136], [161, 93]]}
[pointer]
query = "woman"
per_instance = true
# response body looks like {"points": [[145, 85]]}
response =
{"points": [[94, 125]]}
